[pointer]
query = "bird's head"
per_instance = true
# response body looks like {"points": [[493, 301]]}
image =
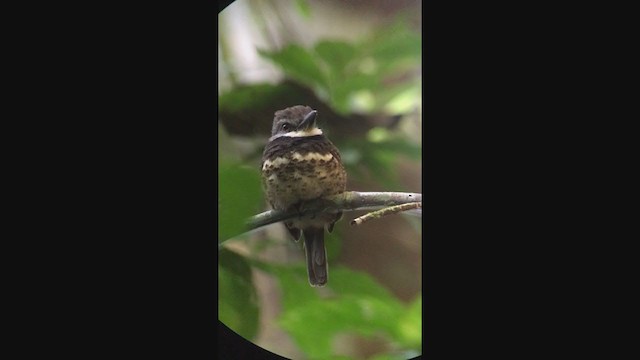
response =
{"points": [[296, 121]]}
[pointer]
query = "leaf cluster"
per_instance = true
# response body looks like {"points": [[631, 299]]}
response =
{"points": [[355, 74]]}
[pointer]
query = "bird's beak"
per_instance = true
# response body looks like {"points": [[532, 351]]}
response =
{"points": [[309, 121]]}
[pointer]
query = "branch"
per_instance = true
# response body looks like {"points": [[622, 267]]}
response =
{"points": [[347, 201], [386, 211]]}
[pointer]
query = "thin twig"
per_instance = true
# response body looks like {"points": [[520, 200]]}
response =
{"points": [[386, 211]]}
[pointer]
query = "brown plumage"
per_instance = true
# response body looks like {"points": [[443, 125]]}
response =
{"points": [[300, 164]]}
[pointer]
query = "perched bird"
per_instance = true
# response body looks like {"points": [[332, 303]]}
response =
{"points": [[300, 164]]}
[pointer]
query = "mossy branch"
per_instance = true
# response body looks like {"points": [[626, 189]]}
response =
{"points": [[347, 201]]}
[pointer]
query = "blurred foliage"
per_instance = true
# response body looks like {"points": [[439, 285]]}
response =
{"points": [[239, 198], [378, 75], [360, 74], [351, 302], [237, 298], [375, 155]]}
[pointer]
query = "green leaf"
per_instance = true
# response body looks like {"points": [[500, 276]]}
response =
{"points": [[385, 95], [345, 282], [237, 299], [315, 325], [337, 54], [342, 92], [405, 99], [398, 146], [395, 43], [299, 64], [355, 303], [240, 197], [242, 97], [294, 283], [410, 326], [379, 156]]}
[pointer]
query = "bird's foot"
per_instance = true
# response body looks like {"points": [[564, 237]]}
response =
{"points": [[305, 209]]}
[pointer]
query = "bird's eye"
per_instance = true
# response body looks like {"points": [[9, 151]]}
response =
{"points": [[286, 127]]}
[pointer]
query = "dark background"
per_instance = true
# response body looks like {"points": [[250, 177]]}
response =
{"points": [[123, 112]]}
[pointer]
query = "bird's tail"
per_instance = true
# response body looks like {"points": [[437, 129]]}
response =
{"points": [[316, 254]]}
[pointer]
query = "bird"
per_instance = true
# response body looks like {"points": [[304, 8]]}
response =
{"points": [[299, 164]]}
